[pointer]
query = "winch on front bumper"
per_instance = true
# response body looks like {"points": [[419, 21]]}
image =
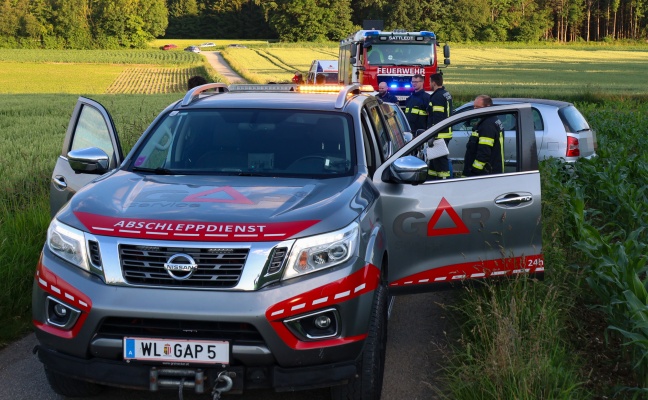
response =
{"points": [[200, 380]]}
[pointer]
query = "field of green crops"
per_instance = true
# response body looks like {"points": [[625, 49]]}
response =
{"points": [[99, 71], [527, 340]]}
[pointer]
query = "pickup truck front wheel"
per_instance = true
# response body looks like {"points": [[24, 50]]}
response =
{"points": [[367, 385]]}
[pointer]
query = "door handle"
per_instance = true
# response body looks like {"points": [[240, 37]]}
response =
{"points": [[514, 200], [59, 182]]}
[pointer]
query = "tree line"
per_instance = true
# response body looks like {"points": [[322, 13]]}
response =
{"points": [[84, 24]]}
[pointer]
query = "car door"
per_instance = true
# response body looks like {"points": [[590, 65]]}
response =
{"points": [[445, 231], [90, 126]]}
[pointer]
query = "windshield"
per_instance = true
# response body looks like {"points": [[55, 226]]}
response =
{"points": [[401, 54], [249, 142]]}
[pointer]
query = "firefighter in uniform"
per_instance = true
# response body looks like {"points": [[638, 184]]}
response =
{"points": [[440, 109], [485, 148], [384, 95], [416, 105]]}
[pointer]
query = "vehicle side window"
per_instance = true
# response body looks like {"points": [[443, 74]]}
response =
{"points": [[381, 132], [92, 131], [393, 128], [367, 138], [505, 147]]}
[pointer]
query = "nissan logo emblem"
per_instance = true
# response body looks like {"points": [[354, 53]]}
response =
{"points": [[180, 266]]}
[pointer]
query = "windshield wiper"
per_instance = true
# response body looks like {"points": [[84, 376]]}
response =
{"points": [[251, 174], [157, 171]]}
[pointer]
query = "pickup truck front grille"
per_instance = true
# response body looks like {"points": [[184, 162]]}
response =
{"points": [[217, 267], [179, 329]]}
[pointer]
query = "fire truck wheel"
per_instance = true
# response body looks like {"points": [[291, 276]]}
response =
{"points": [[368, 383], [70, 387]]}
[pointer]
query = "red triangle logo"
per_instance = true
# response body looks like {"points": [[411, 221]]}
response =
{"points": [[459, 229], [205, 197]]}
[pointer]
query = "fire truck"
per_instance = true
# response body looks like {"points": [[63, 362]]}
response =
{"points": [[372, 56]]}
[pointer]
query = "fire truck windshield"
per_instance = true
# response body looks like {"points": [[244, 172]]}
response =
{"points": [[400, 54]]}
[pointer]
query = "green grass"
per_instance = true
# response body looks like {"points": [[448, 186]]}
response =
{"points": [[158, 57], [33, 127], [57, 78], [548, 73], [517, 336], [276, 63], [100, 71]]}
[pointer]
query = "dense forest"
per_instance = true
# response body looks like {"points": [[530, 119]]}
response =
{"points": [[83, 24]]}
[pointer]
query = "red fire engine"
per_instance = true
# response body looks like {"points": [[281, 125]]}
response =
{"points": [[372, 56]]}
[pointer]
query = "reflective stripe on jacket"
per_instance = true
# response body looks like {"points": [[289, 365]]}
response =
{"points": [[416, 110], [441, 108], [485, 149]]}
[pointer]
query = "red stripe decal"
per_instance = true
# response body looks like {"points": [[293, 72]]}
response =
{"points": [[475, 270], [64, 292], [361, 282], [203, 231]]}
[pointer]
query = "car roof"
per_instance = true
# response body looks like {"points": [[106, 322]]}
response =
{"points": [[555, 103]]}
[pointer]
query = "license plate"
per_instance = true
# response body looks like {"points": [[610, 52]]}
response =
{"points": [[175, 350]]}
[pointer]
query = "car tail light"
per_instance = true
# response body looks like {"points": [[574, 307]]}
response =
{"points": [[572, 147]]}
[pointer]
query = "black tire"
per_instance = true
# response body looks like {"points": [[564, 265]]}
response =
{"points": [[71, 387], [367, 385]]}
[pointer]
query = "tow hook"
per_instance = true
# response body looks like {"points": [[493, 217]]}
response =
{"points": [[223, 384]]}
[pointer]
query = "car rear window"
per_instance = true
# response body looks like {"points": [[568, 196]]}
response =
{"points": [[573, 119]]}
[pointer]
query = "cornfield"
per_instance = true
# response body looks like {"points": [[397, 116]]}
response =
{"points": [[150, 79]]}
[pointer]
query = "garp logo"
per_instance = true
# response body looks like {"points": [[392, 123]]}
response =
{"points": [[417, 224]]}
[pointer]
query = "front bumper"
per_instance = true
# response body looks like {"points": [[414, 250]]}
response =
{"points": [[263, 350], [139, 376]]}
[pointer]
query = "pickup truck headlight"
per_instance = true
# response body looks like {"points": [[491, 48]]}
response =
{"points": [[67, 243], [322, 251]]}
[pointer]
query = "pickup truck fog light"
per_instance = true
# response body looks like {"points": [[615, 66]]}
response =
{"points": [[60, 314], [323, 322], [60, 310], [315, 326]]}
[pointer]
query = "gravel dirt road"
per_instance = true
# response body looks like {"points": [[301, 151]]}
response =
{"points": [[222, 67]]}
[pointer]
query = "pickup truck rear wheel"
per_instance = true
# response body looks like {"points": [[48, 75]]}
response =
{"points": [[367, 385], [71, 387]]}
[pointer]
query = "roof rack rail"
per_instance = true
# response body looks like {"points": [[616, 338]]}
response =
{"points": [[349, 90], [268, 87], [193, 94]]}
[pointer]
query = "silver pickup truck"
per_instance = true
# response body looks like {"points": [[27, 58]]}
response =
{"points": [[254, 237]]}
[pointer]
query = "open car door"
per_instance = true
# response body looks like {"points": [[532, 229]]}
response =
{"points": [[445, 231], [90, 135]]}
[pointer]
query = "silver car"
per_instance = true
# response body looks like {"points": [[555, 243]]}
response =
{"points": [[193, 49], [561, 130]]}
